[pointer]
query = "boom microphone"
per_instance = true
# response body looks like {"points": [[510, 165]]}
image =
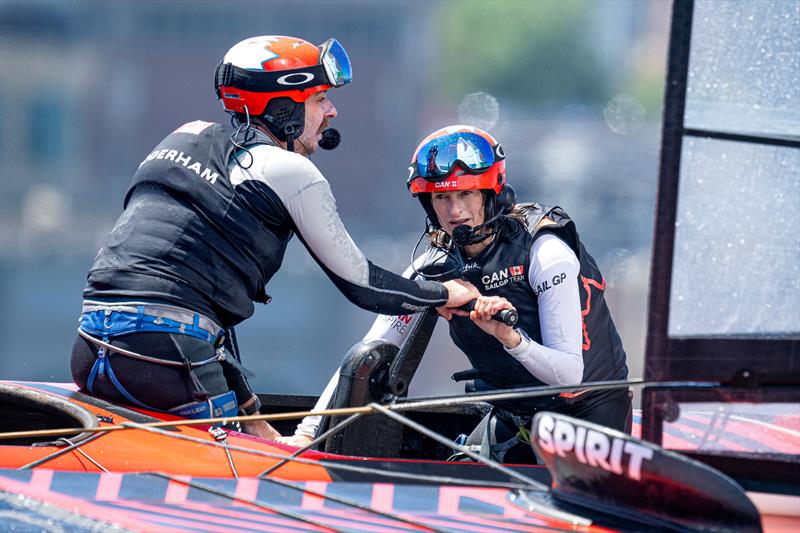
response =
{"points": [[330, 139]]}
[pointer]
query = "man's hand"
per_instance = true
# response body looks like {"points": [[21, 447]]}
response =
{"points": [[459, 293], [485, 307], [298, 441], [260, 428]]}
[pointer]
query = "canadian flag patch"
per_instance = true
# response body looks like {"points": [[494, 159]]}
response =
{"points": [[516, 270]]}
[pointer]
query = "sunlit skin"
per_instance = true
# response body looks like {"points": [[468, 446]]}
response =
{"points": [[456, 208], [319, 113], [259, 428]]}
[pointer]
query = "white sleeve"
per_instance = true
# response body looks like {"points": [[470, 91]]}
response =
{"points": [[553, 275], [308, 426], [307, 196]]}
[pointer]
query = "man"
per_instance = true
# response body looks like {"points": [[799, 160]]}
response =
{"points": [[520, 256], [205, 226]]}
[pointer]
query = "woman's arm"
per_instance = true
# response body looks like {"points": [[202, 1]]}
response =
{"points": [[553, 275]]}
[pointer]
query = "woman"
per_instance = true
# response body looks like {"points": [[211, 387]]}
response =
{"points": [[519, 256]]}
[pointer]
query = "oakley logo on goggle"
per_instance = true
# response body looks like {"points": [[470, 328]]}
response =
{"points": [[295, 78]]}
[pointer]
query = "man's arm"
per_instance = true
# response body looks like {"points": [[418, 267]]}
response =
{"points": [[308, 201]]}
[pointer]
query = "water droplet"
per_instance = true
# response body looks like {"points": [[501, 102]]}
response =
{"points": [[624, 114], [480, 110]]}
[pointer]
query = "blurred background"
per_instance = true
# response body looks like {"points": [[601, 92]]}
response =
{"points": [[571, 88]]}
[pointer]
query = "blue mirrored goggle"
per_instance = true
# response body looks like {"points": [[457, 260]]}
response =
{"points": [[336, 63], [472, 152]]}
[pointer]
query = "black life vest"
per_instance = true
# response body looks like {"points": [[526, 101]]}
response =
{"points": [[186, 237], [502, 270]]}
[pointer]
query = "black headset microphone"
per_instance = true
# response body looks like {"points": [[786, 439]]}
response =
{"points": [[464, 235], [330, 139]]}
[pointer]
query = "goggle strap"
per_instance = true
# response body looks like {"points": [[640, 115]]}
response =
{"points": [[222, 76], [229, 75]]}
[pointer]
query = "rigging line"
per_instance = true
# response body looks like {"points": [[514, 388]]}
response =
{"points": [[336, 466], [332, 431], [335, 429], [407, 404], [351, 503], [62, 451], [185, 422], [230, 458], [78, 449], [714, 429], [234, 497], [525, 392], [494, 465]]}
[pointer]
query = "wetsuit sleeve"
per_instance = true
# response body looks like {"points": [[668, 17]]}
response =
{"points": [[307, 197], [553, 275]]}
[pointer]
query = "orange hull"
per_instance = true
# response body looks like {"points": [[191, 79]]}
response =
{"points": [[136, 450]]}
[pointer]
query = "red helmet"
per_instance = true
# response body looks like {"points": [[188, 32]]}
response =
{"points": [[272, 76], [459, 158]]}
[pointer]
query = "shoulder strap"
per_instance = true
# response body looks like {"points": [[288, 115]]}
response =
{"points": [[551, 219]]}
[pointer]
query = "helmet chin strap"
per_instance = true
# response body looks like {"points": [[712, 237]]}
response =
{"points": [[289, 132]]}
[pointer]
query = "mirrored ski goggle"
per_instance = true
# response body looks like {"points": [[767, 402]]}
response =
{"points": [[336, 63], [469, 151]]}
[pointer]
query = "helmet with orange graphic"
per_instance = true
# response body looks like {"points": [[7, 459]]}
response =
{"points": [[460, 158], [272, 76]]}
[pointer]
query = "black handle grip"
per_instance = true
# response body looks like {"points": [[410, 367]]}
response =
{"points": [[509, 317]]}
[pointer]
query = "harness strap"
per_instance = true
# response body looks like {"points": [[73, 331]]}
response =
{"points": [[199, 325], [102, 366], [497, 450], [200, 392], [218, 357], [123, 391], [97, 368]]}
